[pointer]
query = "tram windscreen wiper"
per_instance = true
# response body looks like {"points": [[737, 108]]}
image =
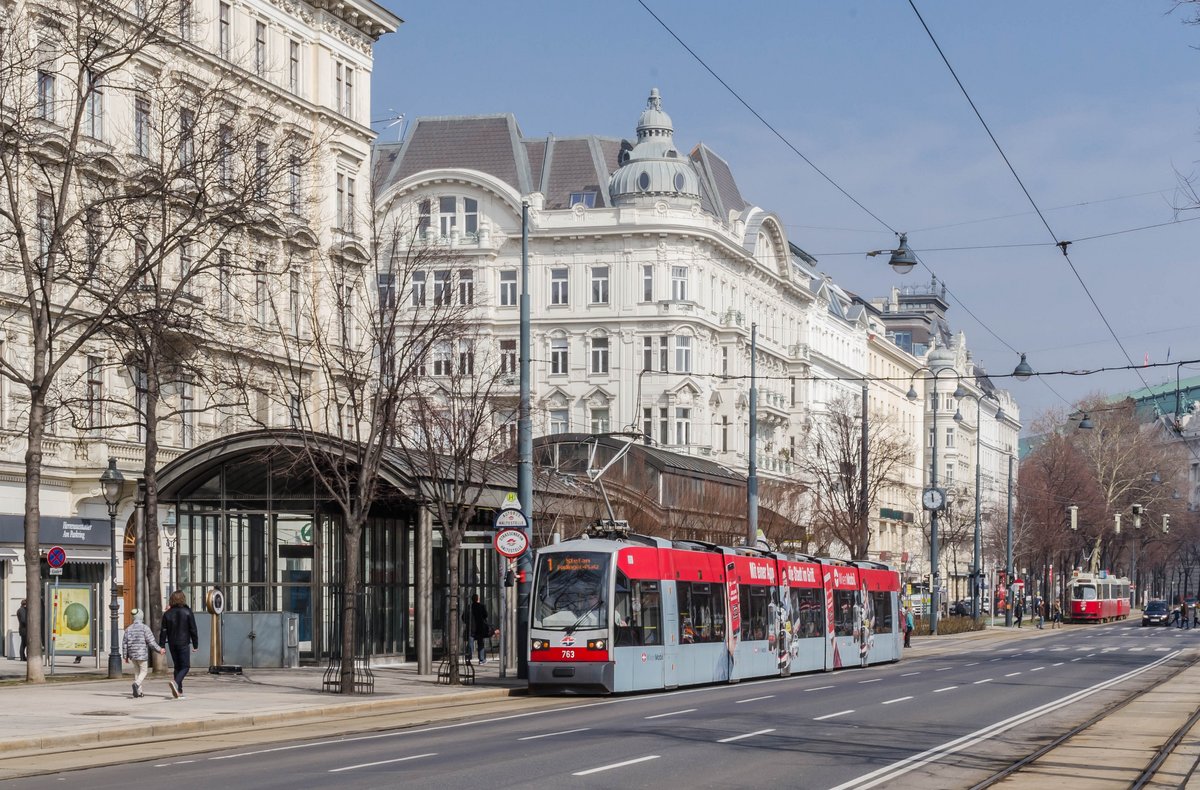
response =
{"points": [[590, 609]]}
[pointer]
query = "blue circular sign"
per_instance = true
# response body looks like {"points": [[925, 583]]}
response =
{"points": [[56, 557]]}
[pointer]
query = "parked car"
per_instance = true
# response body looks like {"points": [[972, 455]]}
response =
{"points": [[1156, 613]]}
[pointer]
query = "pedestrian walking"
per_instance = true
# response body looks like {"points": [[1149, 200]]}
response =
{"points": [[178, 633], [477, 630], [908, 626], [1056, 616], [136, 646], [1174, 617], [1020, 614], [23, 628], [1037, 611]]}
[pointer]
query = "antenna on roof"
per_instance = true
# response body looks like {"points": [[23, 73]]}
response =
{"points": [[396, 120]]}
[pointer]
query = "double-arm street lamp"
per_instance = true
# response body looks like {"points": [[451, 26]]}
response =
{"points": [[111, 481], [977, 559]]}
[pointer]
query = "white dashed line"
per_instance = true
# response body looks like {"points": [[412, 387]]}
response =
{"points": [[744, 735], [1075, 659], [1012, 674], [985, 680], [381, 762], [552, 734], [819, 688], [754, 699], [947, 688], [909, 674], [1059, 664], [897, 699], [616, 765], [973, 663], [672, 713], [943, 669], [872, 680], [832, 715]]}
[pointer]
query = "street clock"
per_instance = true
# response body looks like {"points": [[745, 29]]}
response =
{"points": [[933, 499]]}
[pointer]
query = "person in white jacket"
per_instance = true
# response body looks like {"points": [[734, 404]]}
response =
{"points": [[137, 644]]}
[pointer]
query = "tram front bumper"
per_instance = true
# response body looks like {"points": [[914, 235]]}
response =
{"points": [[565, 677]]}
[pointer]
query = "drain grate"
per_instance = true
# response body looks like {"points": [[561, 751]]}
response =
{"points": [[105, 713]]}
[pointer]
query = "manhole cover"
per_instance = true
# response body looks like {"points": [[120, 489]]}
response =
{"points": [[104, 713]]}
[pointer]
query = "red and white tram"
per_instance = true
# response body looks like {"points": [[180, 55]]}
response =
{"points": [[634, 613], [1098, 598]]}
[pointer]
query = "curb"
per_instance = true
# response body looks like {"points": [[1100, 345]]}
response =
{"points": [[128, 736]]}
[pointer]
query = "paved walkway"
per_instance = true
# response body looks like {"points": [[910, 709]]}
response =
{"points": [[82, 708]]}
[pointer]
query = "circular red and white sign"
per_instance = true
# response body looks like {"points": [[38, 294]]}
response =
{"points": [[511, 543]]}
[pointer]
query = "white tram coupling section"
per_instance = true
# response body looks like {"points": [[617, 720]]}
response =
{"points": [[628, 612]]}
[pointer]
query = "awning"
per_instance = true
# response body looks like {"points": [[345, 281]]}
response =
{"points": [[9, 554], [86, 555]]}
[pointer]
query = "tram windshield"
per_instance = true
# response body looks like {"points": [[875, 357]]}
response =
{"points": [[1084, 592], [570, 591]]}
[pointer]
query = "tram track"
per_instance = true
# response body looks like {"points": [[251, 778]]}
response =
{"points": [[1178, 665]]}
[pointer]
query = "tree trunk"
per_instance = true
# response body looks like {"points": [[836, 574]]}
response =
{"points": [[454, 620], [33, 548], [351, 540], [152, 550]]}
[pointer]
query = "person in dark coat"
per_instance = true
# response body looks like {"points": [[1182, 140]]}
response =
{"points": [[23, 628], [476, 621], [178, 632]]}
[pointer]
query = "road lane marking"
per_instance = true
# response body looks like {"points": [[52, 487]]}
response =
{"points": [[1075, 659], [616, 765], [973, 663], [1012, 674], [947, 688], [872, 680], [1037, 669], [754, 699], [942, 669], [1136, 649], [381, 762], [672, 713], [995, 659], [897, 699], [832, 715], [819, 688], [552, 734], [1059, 664], [985, 680], [745, 735], [909, 674], [889, 773]]}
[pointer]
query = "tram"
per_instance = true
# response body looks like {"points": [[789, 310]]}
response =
{"points": [[1098, 598], [617, 612]]}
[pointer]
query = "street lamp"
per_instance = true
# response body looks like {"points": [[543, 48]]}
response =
{"points": [[976, 575], [933, 498], [1022, 371], [111, 481], [902, 258], [171, 533]]}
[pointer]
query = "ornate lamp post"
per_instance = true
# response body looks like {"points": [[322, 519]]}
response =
{"points": [[110, 485], [171, 533]]}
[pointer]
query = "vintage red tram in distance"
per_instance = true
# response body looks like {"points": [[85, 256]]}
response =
{"points": [[622, 612], [1098, 598]]}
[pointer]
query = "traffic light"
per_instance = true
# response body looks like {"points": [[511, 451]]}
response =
{"points": [[1137, 516], [1117, 521], [1166, 523], [1074, 516]]}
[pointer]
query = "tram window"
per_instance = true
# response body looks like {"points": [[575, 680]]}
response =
{"points": [[623, 611], [844, 605], [570, 591], [754, 602], [1084, 592], [808, 617], [651, 613], [882, 601], [701, 613], [638, 612]]}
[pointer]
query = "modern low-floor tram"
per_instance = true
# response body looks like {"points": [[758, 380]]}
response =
{"points": [[636, 613]]}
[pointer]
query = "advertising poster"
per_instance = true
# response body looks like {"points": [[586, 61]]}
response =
{"points": [[72, 610]]}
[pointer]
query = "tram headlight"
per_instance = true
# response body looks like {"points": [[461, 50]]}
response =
{"points": [[540, 644], [596, 644]]}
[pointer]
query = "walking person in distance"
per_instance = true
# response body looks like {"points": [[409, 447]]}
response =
{"points": [[136, 645], [178, 633], [477, 629], [22, 626], [908, 626]]}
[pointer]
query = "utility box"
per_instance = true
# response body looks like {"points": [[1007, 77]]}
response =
{"points": [[261, 639]]}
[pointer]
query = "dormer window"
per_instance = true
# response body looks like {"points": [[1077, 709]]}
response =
{"points": [[585, 199]]}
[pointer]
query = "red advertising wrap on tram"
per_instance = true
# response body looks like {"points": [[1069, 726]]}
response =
{"points": [[627, 612]]}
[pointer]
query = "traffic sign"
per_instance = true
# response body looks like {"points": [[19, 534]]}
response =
{"points": [[56, 557], [510, 519], [56, 571], [511, 502], [511, 543]]}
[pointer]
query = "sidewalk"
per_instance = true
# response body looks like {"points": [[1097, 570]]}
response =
{"points": [[79, 709]]}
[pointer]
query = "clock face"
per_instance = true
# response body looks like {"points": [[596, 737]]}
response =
{"points": [[932, 499]]}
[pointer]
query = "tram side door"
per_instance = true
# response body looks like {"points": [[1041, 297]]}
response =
{"points": [[670, 604]]}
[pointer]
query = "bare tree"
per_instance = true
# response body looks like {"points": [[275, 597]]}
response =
{"points": [[830, 462], [353, 335], [449, 427], [62, 193]]}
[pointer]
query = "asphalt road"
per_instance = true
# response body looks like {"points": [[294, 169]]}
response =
{"points": [[935, 721]]}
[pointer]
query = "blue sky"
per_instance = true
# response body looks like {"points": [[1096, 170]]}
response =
{"points": [[1095, 103]]}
